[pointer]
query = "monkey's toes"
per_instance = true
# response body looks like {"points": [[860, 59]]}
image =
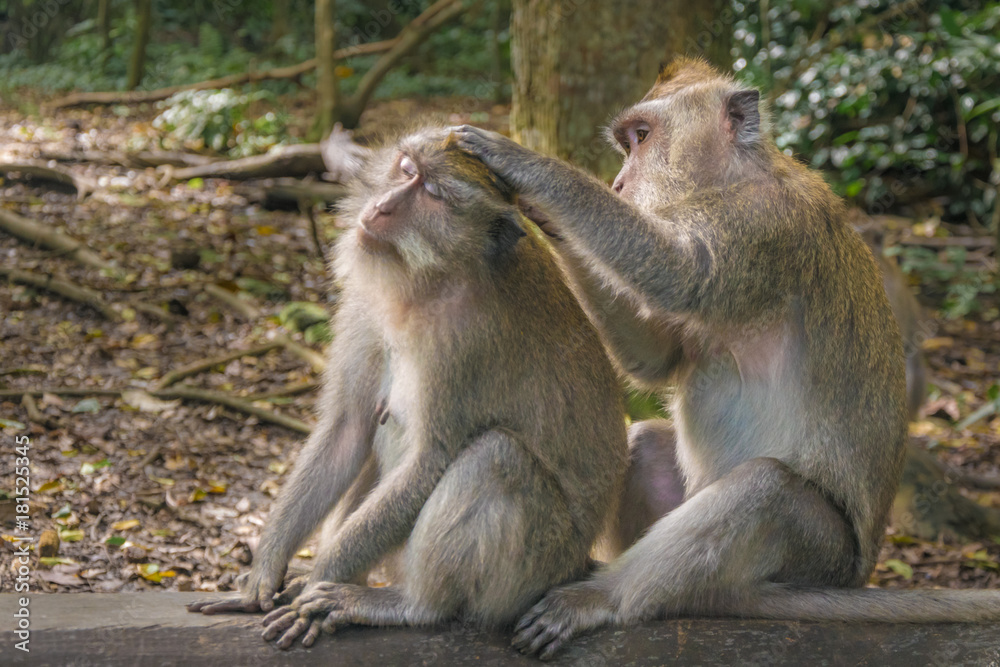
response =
{"points": [[301, 625], [278, 613], [217, 606], [544, 636]]}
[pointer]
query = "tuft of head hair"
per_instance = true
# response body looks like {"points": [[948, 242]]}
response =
{"points": [[683, 71]]}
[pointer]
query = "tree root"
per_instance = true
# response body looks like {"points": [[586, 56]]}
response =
{"points": [[64, 289], [46, 237]]}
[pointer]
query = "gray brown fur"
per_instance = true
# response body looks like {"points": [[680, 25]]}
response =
{"points": [[726, 270], [503, 447]]}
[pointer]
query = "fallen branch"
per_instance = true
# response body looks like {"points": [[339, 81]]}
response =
{"points": [[183, 392], [63, 288], [187, 392], [35, 415], [140, 160], [207, 364], [289, 72], [46, 237], [293, 160], [44, 172], [250, 312], [290, 390], [60, 391]]}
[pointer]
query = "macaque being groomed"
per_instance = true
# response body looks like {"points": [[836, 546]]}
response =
{"points": [[470, 418], [718, 265]]}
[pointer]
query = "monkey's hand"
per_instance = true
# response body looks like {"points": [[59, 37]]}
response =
{"points": [[503, 156], [563, 613], [257, 594]]}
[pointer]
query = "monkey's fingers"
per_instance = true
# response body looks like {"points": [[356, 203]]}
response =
{"points": [[315, 627], [555, 644], [221, 606], [290, 592], [528, 619], [277, 621], [301, 625]]}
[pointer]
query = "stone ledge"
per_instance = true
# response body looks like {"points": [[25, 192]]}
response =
{"points": [[139, 629]]}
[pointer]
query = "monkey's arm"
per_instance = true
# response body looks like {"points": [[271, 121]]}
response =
{"points": [[328, 464], [658, 269], [646, 349], [385, 519], [681, 260]]}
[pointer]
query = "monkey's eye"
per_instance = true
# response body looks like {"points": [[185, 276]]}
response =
{"points": [[408, 167], [432, 189], [641, 135], [625, 146]]}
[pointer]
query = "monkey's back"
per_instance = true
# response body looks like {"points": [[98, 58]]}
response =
{"points": [[553, 353], [855, 369]]}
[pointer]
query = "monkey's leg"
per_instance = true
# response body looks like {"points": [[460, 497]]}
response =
{"points": [[654, 484], [495, 535], [760, 523]]}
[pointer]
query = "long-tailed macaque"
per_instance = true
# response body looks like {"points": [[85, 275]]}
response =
{"points": [[719, 266], [468, 401], [905, 308]]}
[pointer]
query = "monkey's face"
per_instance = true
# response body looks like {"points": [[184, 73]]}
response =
{"points": [[431, 206], [684, 134]]}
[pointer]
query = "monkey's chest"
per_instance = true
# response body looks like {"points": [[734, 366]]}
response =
{"points": [[398, 403]]}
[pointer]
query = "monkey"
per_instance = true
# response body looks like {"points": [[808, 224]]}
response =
{"points": [[905, 308], [469, 413], [720, 268], [653, 484]]}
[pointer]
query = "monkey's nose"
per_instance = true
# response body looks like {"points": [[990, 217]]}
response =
{"points": [[619, 184]]}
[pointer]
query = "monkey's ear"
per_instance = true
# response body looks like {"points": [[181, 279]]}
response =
{"points": [[504, 233], [743, 116]]}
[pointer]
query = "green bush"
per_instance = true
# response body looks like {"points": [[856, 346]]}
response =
{"points": [[219, 120], [898, 102]]}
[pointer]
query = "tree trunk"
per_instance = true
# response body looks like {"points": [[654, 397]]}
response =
{"points": [[576, 62], [280, 26], [327, 88], [104, 23], [137, 63]]}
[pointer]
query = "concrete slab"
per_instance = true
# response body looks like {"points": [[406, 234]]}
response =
{"points": [[140, 629]]}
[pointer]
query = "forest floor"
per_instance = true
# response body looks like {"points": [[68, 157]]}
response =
{"points": [[153, 493]]}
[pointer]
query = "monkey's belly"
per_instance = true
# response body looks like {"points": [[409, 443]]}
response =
{"points": [[724, 419]]}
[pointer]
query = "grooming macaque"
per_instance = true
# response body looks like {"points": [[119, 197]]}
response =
{"points": [[470, 419], [720, 266]]}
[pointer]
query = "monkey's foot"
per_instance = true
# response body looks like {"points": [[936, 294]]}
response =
{"points": [[563, 613], [285, 625], [327, 606], [256, 597]]}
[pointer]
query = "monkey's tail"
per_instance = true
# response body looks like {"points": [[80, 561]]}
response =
{"points": [[873, 605]]}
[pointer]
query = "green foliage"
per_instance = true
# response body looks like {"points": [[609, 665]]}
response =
{"points": [[897, 101], [948, 272], [220, 120], [309, 318]]}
